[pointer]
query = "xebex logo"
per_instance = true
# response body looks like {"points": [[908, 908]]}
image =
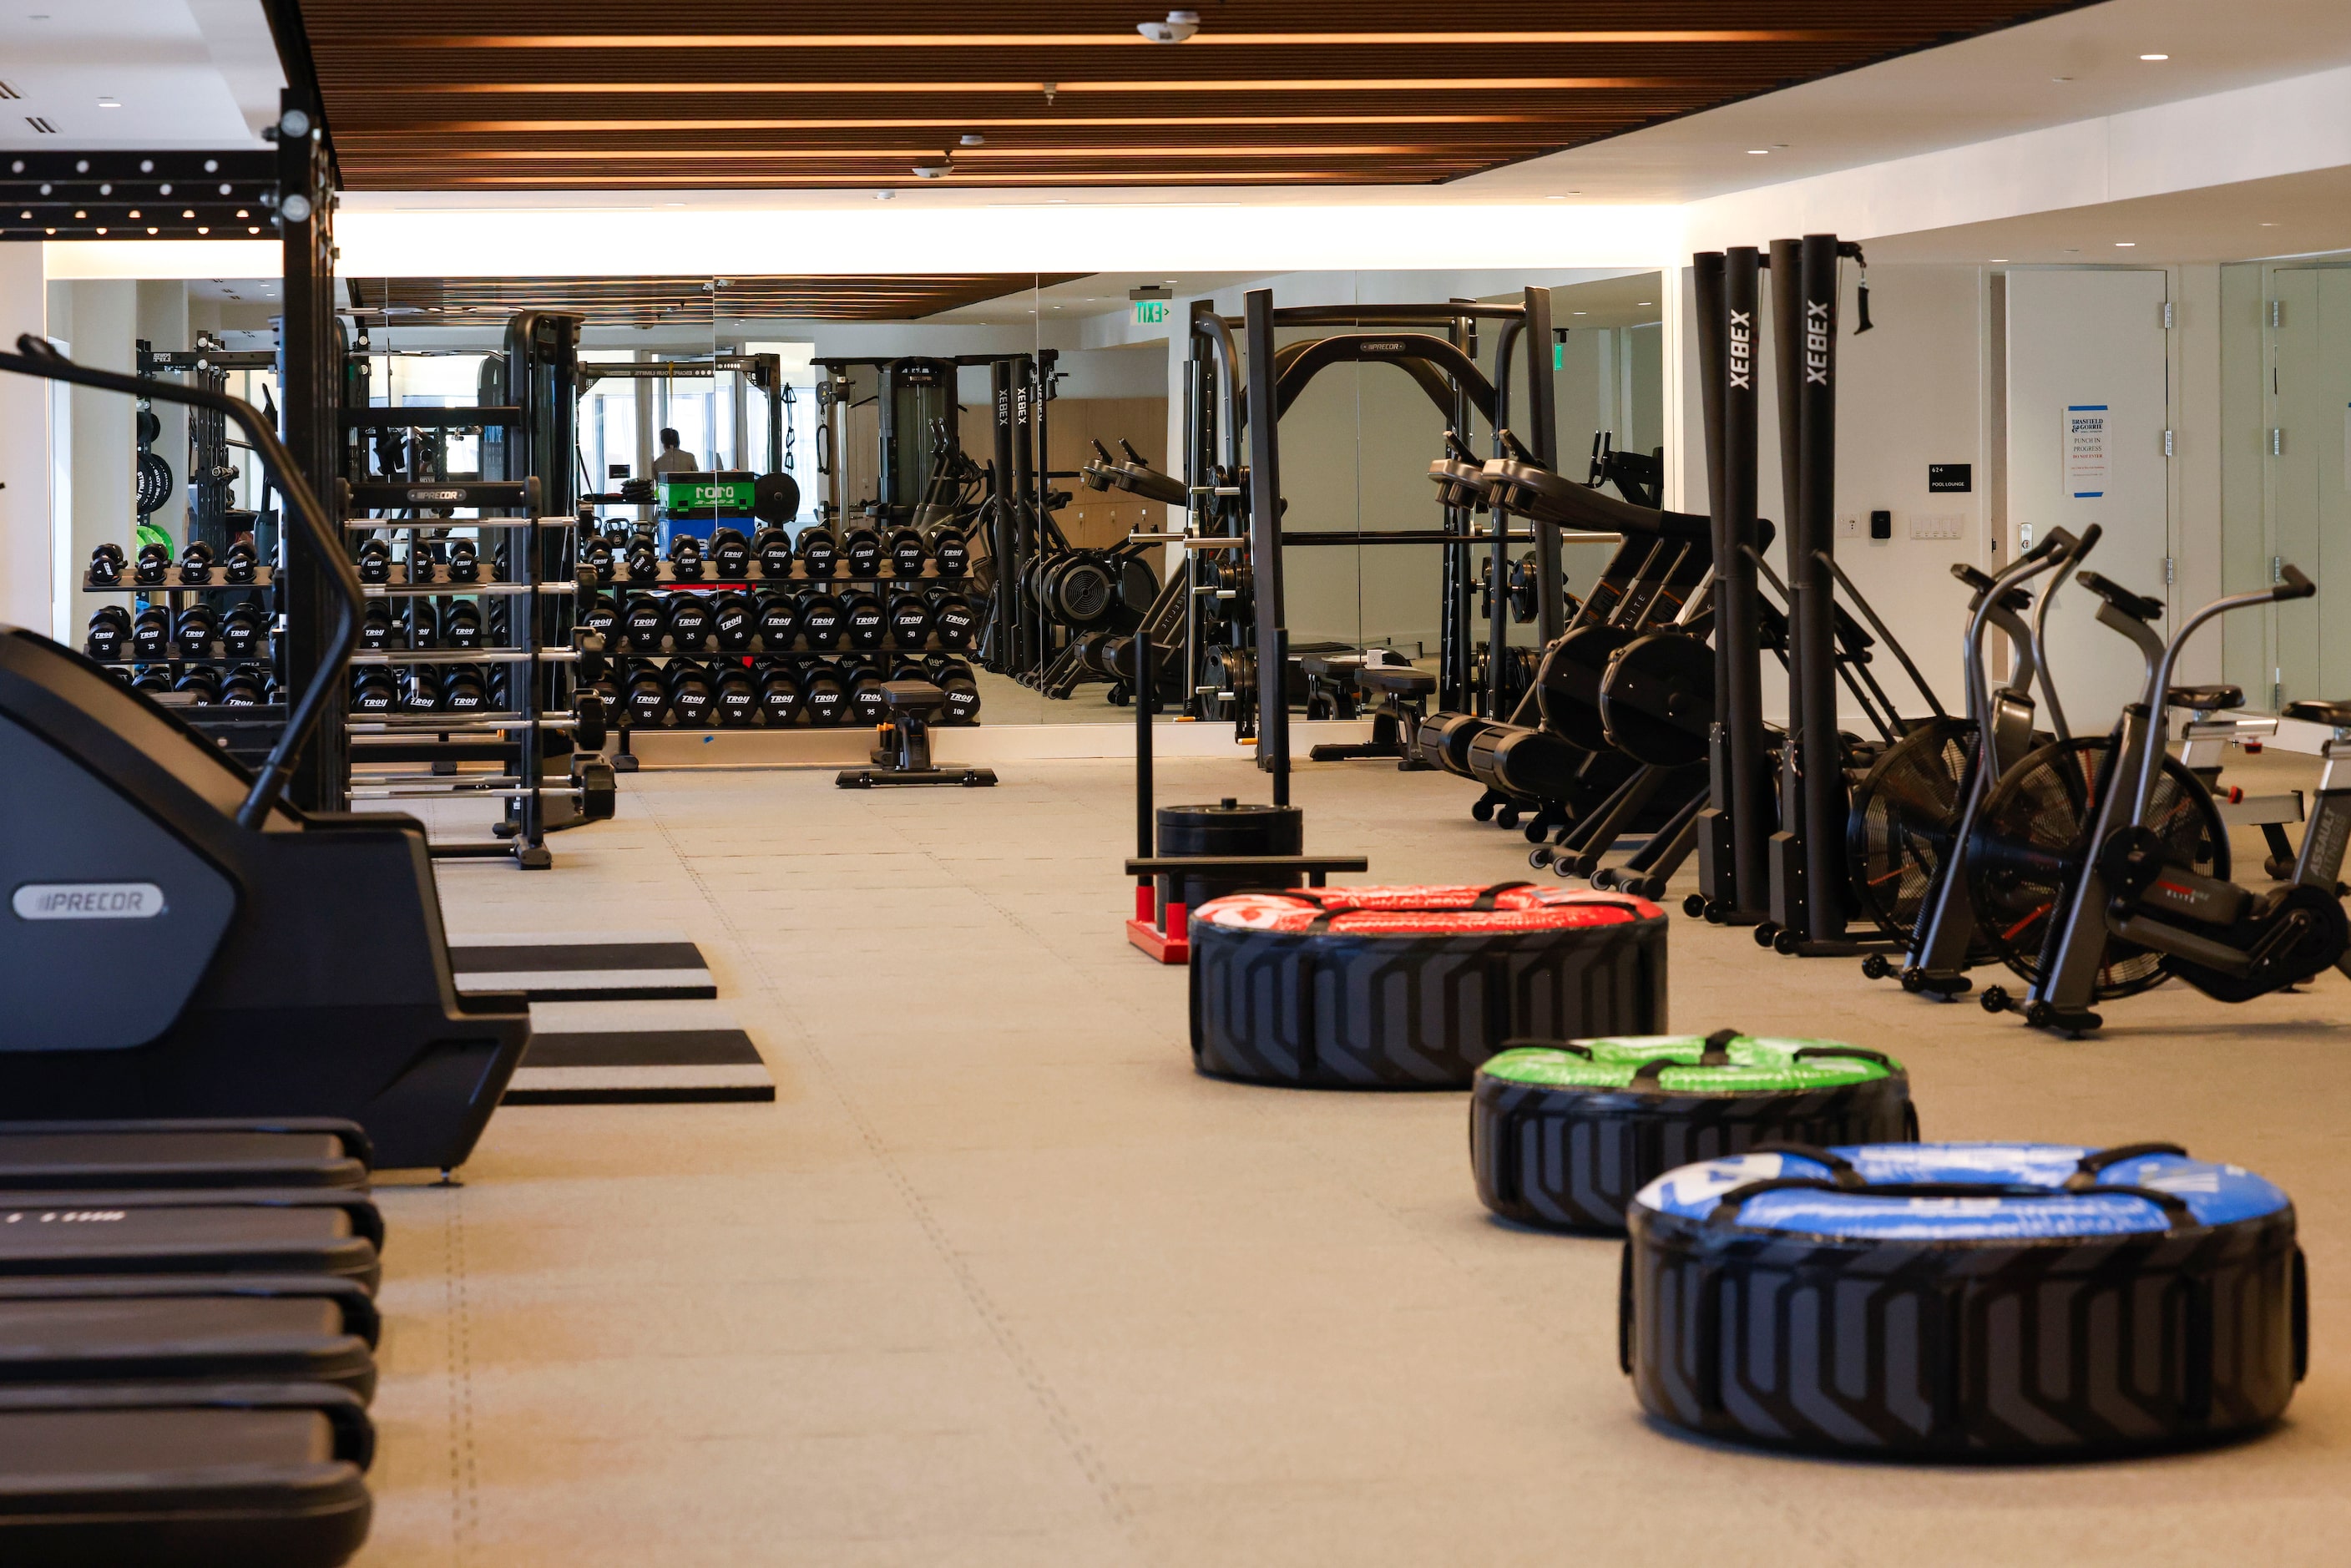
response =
{"points": [[1742, 351], [1816, 343]]}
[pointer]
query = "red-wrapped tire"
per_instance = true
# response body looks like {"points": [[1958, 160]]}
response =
{"points": [[1413, 987]]}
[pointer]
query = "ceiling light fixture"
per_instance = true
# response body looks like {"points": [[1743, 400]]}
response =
{"points": [[109, 103], [932, 170], [2000, 261], [2155, 57], [974, 139], [2125, 243], [1759, 152], [1179, 25]]}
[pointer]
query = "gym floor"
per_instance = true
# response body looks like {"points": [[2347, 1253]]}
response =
{"points": [[998, 1279]]}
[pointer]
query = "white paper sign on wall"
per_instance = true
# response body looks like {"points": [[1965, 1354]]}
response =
{"points": [[2085, 450]]}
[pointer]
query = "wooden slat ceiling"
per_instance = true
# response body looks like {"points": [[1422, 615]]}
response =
{"points": [[595, 94], [683, 301]]}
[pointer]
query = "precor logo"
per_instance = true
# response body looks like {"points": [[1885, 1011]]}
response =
{"points": [[88, 901]]}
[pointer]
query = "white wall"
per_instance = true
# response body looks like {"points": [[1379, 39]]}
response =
{"points": [[25, 453]]}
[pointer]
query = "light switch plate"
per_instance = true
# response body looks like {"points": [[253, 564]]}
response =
{"points": [[1936, 524]]}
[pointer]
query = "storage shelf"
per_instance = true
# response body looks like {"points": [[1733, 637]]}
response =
{"points": [[466, 656], [262, 579]]}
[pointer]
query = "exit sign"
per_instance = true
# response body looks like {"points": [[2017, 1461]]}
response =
{"points": [[1150, 312]]}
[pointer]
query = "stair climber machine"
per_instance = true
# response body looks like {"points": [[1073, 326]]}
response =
{"points": [[180, 942], [2120, 853]]}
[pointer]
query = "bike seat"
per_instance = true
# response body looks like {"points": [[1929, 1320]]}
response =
{"points": [[2334, 715], [2138, 606], [2205, 699]]}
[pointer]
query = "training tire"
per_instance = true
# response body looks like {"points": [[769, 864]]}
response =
{"points": [[1964, 1301], [1413, 987], [1564, 1136]]}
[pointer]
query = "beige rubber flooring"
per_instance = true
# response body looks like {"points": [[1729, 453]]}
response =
{"points": [[998, 1281]]}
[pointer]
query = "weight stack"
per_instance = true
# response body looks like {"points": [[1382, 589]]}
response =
{"points": [[1227, 828], [1414, 987]]}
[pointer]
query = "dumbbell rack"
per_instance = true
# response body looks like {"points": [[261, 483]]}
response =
{"points": [[621, 585], [245, 731], [515, 735]]}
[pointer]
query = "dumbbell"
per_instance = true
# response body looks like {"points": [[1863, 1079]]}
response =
{"points": [[732, 621], [242, 564], [151, 679], [823, 621], [644, 696], [689, 622], [244, 629], [247, 686], [421, 689], [150, 633], [730, 554], [202, 680], [860, 550], [154, 563], [952, 617], [779, 692], [196, 562], [771, 547], [739, 697], [949, 549], [461, 624], [465, 560], [910, 621], [867, 700], [420, 567], [692, 694], [906, 552], [645, 622], [779, 620], [824, 694], [590, 705], [375, 561], [864, 621], [463, 689], [110, 631], [599, 617], [105, 566], [819, 551], [596, 554], [642, 561], [192, 631], [954, 677], [684, 557], [375, 626], [424, 625]]}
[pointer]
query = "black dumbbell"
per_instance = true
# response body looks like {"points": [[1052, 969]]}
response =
{"points": [[737, 696], [732, 622], [596, 554], [643, 561], [771, 547], [244, 629], [864, 621], [463, 689], [241, 564], [421, 689], [689, 622], [105, 566], [906, 552], [819, 551], [730, 554], [910, 621], [949, 547], [154, 678], [151, 633], [779, 692], [860, 550], [375, 561], [953, 678], [823, 621], [421, 565], [247, 686], [110, 632], [590, 708], [465, 560], [867, 702], [375, 627], [692, 694], [824, 694], [203, 681], [644, 696], [461, 624], [154, 563], [684, 557], [952, 618], [424, 625], [196, 562], [645, 622], [192, 631], [779, 619]]}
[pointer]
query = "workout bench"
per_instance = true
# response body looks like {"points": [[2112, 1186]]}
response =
{"points": [[904, 754]]}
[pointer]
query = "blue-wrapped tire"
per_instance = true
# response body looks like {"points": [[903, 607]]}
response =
{"points": [[1561, 1135], [1411, 988], [1964, 1301]]}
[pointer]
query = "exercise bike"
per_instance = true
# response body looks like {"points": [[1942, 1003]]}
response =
{"points": [[2132, 907]]}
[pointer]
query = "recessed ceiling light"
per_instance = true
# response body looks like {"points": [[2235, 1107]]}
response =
{"points": [[1641, 302], [1759, 152], [109, 103], [2269, 226], [1554, 198], [2125, 243], [2155, 57], [1583, 312], [1999, 260], [2061, 78]]}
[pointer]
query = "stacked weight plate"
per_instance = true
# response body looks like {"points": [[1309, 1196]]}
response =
{"points": [[187, 1329]]}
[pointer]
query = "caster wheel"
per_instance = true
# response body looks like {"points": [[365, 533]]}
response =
{"points": [[1911, 981], [1695, 906], [1717, 913], [1605, 877], [2037, 1014], [1764, 933], [1649, 887], [1876, 968], [1505, 817], [1540, 857], [1536, 831], [1482, 812], [1994, 999], [1784, 943]]}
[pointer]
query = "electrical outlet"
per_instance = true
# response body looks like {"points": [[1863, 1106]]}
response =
{"points": [[1849, 528], [1936, 524]]}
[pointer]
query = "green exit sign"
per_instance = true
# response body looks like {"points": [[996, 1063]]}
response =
{"points": [[1150, 312]]}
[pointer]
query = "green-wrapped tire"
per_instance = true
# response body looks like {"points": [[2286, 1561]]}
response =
{"points": [[1563, 1135]]}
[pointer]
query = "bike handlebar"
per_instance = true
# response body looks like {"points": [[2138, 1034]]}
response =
{"points": [[2292, 584]]}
